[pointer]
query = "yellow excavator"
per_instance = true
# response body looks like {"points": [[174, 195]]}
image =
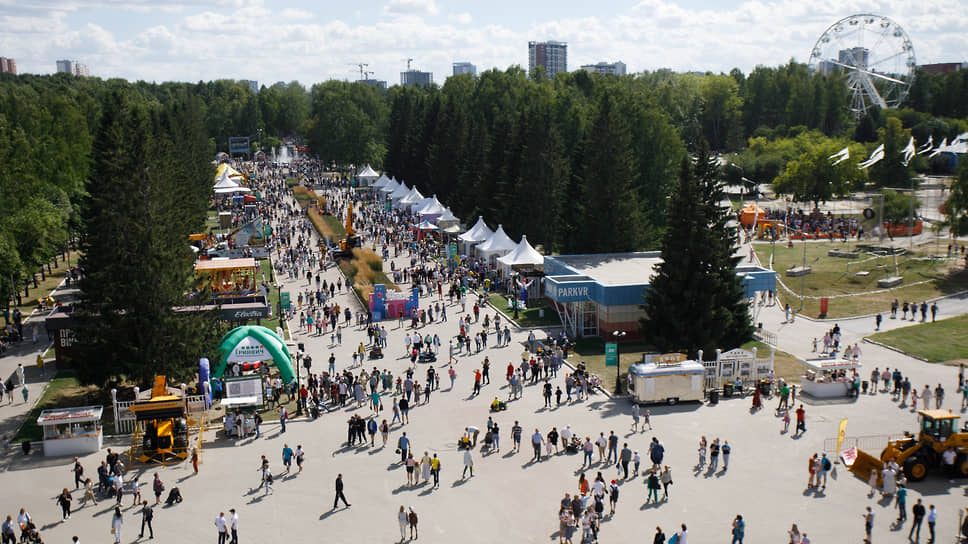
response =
{"points": [[347, 244], [918, 454]]}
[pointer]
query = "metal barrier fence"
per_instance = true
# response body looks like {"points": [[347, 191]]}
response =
{"points": [[125, 420], [872, 444], [765, 336]]}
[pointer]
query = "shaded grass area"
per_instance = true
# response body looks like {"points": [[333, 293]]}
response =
{"points": [[48, 283], [64, 391], [837, 276], [530, 317], [942, 341]]}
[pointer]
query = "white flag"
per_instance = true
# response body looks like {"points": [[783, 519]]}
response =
{"points": [[927, 146], [909, 151], [875, 157], [941, 147], [840, 156]]}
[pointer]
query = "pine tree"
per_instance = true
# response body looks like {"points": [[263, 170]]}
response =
{"points": [[136, 219], [696, 300]]}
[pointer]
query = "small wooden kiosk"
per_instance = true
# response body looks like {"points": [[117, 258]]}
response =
{"points": [[71, 431]]}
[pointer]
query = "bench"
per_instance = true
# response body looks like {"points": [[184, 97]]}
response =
{"points": [[863, 273], [798, 271], [890, 281], [843, 254]]}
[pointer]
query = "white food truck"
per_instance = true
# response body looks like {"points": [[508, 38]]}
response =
{"points": [[670, 382]]}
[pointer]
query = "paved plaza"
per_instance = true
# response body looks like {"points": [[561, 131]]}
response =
{"points": [[509, 498]]}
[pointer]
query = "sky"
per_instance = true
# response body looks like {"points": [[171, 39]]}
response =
{"points": [[313, 40]]}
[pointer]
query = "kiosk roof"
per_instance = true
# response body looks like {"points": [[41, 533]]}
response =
{"points": [[221, 264], [79, 414], [615, 268]]}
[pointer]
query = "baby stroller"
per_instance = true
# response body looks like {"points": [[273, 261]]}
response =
{"points": [[427, 357], [31, 534], [376, 352], [173, 496]]}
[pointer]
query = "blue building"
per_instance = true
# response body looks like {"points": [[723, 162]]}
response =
{"points": [[600, 293]]}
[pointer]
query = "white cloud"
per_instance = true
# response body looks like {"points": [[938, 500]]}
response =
{"points": [[410, 7], [461, 18]]}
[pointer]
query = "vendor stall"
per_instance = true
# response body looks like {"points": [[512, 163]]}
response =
{"points": [[227, 277], [71, 431], [825, 378], [669, 382]]}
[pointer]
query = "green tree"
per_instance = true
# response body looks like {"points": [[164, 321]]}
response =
{"points": [[956, 206], [814, 178], [696, 300], [900, 207], [891, 170], [136, 219]]}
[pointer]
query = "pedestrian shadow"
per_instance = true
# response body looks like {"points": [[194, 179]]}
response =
{"points": [[326, 514], [458, 483], [257, 499], [897, 525], [183, 478], [508, 455], [649, 505]]}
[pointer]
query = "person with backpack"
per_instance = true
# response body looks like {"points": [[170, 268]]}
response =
{"points": [[147, 514], [412, 519], [825, 467]]}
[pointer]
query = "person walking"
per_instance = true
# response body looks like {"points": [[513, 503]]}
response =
{"points": [[403, 520], [64, 500], [900, 500], [78, 471], [222, 527], [536, 442], [801, 421], [635, 417], [117, 521], [234, 526], [739, 529], [158, 487], [726, 451], [624, 458], [653, 485], [412, 519], [917, 513], [339, 493], [435, 470], [468, 463], [147, 514], [932, 513], [868, 524], [666, 478]]}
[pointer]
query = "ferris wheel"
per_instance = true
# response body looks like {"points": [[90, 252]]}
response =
{"points": [[874, 53]]}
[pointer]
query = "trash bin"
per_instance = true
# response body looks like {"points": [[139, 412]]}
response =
{"points": [[714, 396], [765, 388], [727, 390], [864, 385]]}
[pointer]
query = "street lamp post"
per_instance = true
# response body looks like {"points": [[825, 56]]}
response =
{"points": [[618, 335]]}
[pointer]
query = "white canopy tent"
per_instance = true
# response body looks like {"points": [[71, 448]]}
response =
{"points": [[415, 208], [382, 182], [367, 175], [390, 187], [498, 244], [523, 254], [447, 219], [226, 186], [413, 197], [477, 234], [427, 225], [400, 192], [430, 210]]}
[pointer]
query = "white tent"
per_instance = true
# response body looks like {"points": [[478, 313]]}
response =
{"points": [[382, 182], [478, 233], [366, 176], [433, 208], [400, 192], [390, 187], [413, 197], [523, 254], [498, 244], [427, 225], [415, 208], [447, 218], [226, 186]]}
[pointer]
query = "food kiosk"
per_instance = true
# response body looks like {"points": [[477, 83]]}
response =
{"points": [[71, 431], [825, 378]]}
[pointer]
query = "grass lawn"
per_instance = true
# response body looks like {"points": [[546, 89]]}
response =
{"points": [[211, 220], [529, 317], [63, 391], [46, 285], [942, 341], [834, 276]]}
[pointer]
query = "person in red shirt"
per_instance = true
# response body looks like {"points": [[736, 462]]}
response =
{"points": [[801, 421], [477, 381]]}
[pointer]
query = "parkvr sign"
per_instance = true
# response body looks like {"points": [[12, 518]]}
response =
{"points": [[568, 292]]}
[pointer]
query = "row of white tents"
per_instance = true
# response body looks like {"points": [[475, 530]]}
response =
{"points": [[479, 240]]}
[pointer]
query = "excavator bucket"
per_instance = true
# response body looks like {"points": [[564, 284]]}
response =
{"points": [[861, 463]]}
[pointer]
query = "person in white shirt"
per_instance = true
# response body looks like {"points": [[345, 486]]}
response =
{"points": [[222, 528], [682, 535], [932, 518]]}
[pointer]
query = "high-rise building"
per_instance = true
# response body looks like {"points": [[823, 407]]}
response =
{"points": [[464, 68], [552, 55], [73, 67], [415, 78], [253, 84], [607, 68], [855, 56], [378, 83], [8, 66], [282, 84]]}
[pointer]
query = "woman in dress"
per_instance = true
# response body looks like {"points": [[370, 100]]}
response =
{"points": [[425, 467], [702, 451], [411, 463], [794, 533]]}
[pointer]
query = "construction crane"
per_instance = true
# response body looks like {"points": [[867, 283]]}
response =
{"points": [[409, 60], [361, 66]]}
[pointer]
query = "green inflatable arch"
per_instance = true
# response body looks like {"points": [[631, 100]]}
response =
{"points": [[269, 339]]}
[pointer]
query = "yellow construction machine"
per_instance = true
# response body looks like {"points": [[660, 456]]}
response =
{"points": [[918, 454]]}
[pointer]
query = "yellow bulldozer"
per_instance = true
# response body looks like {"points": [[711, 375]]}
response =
{"points": [[918, 454]]}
